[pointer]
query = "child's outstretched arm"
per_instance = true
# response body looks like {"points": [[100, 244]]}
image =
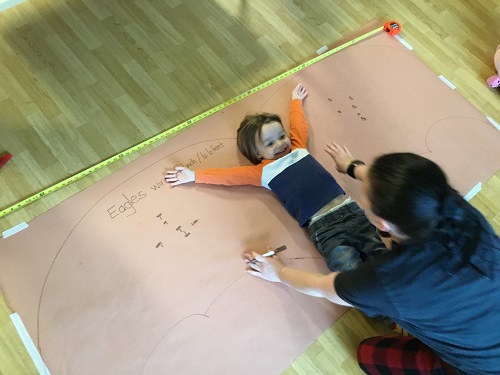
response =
{"points": [[245, 175], [298, 124], [179, 176]]}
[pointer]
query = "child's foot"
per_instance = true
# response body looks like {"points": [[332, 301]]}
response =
{"points": [[493, 81], [4, 159]]}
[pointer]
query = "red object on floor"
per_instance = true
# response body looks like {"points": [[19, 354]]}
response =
{"points": [[4, 159], [392, 27]]}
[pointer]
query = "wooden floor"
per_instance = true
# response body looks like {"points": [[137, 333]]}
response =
{"points": [[82, 80]]}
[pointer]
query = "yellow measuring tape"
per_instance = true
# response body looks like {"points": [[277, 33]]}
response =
{"points": [[179, 127]]}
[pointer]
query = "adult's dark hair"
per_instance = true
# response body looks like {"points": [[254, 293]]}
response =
{"points": [[409, 191], [413, 193], [251, 128]]}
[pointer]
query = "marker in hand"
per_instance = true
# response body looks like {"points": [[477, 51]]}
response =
{"points": [[269, 254]]}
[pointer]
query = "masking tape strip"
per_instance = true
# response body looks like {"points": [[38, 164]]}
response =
{"points": [[443, 78], [494, 123], [6, 4], [476, 189], [322, 50], [14, 230], [403, 42], [29, 344]]}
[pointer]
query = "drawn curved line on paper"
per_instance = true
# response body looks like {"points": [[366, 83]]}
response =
{"points": [[173, 326], [205, 314], [165, 334], [445, 119], [85, 215], [283, 83], [224, 291]]}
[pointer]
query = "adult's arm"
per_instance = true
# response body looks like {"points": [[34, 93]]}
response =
{"points": [[313, 284]]}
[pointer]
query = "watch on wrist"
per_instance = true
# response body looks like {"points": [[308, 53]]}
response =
{"points": [[352, 166]]}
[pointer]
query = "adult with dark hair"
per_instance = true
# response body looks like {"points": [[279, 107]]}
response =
{"points": [[440, 282]]}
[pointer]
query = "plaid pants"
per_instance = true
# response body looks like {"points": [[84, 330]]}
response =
{"points": [[400, 355]]}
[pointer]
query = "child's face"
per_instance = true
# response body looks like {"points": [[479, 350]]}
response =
{"points": [[274, 142]]}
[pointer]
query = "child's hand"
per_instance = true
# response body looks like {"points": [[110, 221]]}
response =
{"points": [[340, 155], [299, 92], [181, 175]]}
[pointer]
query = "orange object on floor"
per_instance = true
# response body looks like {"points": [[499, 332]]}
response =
{"points": [[392, 27]]}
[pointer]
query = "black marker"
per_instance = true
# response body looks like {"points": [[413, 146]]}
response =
{"points": [[269, 254]]}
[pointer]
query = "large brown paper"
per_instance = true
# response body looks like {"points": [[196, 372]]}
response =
{"points": [[133, 277]]}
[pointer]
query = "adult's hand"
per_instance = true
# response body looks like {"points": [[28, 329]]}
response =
{"points": [[340, 155], [313, 284], [267, 268]]}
